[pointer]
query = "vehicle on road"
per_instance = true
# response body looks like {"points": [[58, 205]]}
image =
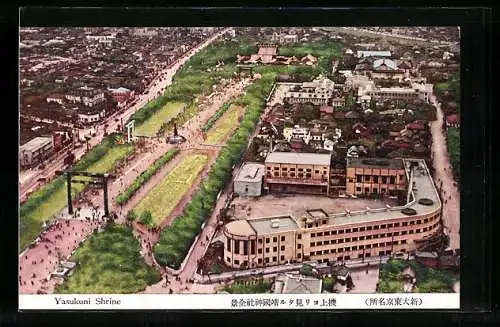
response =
{"points": [[41, 180]]}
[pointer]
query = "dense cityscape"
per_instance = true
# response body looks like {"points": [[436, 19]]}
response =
{"points": [[239, 160]]}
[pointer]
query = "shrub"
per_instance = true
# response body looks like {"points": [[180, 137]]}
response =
{"points": [[146, 218], [132, 215]]}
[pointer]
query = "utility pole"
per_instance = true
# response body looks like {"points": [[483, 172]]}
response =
{"points": [[105, 186], [70, 204]]}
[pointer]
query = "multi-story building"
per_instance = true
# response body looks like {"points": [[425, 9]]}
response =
{"points": [[35, 151], [88, 97], [367, 91], [297, 172], [365, 176], [323, 237], [318, 92]]}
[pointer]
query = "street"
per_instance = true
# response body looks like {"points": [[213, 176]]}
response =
{"points": [[444, 176], [29, 183]]}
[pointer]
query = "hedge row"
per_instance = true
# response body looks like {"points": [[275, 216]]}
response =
{"points": [[210, 123], [146, 176], [177, 238]]}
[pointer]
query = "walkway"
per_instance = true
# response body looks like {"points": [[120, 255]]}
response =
{"points": [[444, 178]]}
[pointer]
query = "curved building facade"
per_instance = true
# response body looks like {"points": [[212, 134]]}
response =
{"points": [[341, 236]]}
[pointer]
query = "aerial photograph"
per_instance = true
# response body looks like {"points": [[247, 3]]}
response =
{"points": [[235, 160]]}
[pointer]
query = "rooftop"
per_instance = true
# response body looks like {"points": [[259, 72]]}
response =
{"points": [[269, 225], [299, 158], [298, 284], [250, 172], [240, 228], [35, 144], [375, 163]]}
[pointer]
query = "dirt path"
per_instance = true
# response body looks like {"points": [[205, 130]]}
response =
{"points": [[444, 179]]}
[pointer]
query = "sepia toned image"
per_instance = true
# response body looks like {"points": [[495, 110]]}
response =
{"points": [[316, 161]]}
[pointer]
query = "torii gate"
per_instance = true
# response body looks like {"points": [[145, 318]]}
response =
{"points": [[97, 179]]}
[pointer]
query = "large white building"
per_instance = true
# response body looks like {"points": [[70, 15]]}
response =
{"points": [[86, 96], [318, 92], [368, 90]]}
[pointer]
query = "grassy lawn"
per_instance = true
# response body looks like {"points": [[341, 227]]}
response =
{"points": [[109, 262], [58, 200], [224, 125], [164, 197], [151, 126]]}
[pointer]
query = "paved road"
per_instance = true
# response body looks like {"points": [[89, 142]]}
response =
{"points": [[444, 176], [163, 80]]}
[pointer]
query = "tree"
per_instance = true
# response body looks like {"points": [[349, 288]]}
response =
{"points": [[306, 270], [146, 218], [308, 112]]}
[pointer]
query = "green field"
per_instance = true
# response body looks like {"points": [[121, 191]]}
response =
{"points": [[224, 125], [109, 262], [164, 197], [151, 126], [58, 200]]}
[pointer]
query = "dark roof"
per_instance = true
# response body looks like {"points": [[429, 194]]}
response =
{"points": [[452, 118], [375, 163]]}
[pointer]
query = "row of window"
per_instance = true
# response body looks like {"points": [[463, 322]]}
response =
{"points": [[259, 260], [383, 179], [275, 249], [355, 239], [299, 169], [375, 190], [369, 228], [299, 175], [360, 247], [275, 239]]}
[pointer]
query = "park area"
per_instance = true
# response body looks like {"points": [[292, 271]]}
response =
{"points": [[109, 262], [49, 200], [224, 125], [153, 124], [166, 195]]}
